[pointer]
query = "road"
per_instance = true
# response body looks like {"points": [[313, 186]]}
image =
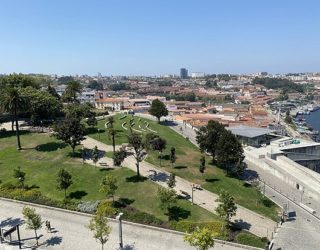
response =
{"points": [[70, 232]]}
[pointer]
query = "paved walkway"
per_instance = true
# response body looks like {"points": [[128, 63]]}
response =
{"points": [[255, 223], [72, 233]]}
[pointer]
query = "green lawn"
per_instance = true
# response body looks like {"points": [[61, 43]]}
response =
{"points": [[42, 157], [187, 164]]}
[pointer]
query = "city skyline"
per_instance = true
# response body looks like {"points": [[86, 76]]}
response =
{"points": [[141, 38]]}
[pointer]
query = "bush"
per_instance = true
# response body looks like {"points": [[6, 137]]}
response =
{"points": [[142, 217], [88, 206], [251, 240], [7, 186], [218, 227]]}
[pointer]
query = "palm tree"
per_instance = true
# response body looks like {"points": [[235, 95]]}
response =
{"points": [[112, 132], [12, 102], [72, 90]]}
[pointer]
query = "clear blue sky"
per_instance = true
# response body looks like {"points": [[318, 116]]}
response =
{"points": [[148, 37]]}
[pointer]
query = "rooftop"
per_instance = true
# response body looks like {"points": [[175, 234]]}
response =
{"points": [[249, 132]]}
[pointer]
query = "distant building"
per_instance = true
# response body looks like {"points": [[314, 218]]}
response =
{"points": [[197, 74], [183, 73]]}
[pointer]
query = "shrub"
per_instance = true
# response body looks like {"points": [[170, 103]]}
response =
{"points": [[217, 227], [251, 240], [142, 217], [88, 206]]}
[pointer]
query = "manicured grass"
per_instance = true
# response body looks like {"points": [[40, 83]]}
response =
{"points": [[251, 240], [43, 156], [187, 164]]}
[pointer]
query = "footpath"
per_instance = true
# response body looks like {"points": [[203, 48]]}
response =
{"points": [[253, 222]]}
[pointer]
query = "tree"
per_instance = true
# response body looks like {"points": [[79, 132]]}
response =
{"points": [[11, 101], [158, 109], [288, 118], [202, 167], [229, 152], [172, 181], [95, 85], [159, 144], [201, 238], [227, 207], [135, 141], [73, 89], [167, 197], [64, 181], [33, 220], [208, 137], [20, 176], [112, 132], [148, 139], [100, 228], [173, 156], [119, 156], [71, 131], [92, 121], [18, 81], [109, 185], [95, 155], [52, 91]]}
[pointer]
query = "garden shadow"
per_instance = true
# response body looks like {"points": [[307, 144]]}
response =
{"points": [[211, 180], [11, 222], [176, 213], [55, 240], [180, 167], [123, 202], [136, 178], [77, 194], [105, 169], [241, 224], [51, 146], [94, 130]]}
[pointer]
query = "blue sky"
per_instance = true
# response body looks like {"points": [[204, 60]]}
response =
{"points": [[149, 37]]}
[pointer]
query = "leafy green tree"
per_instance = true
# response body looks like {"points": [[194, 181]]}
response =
{"points": [[33, 220], [95, 85], [229, 152], [11, 101], [173, 156], [227, 207], [79, 111], [208, 137], [20, 176], [109, 185], [100, 228], [158, 109], [71, 131], [172, 180], [167, 197], [201, 238], [52, 91], [73, 89], [18, 81], [202, 167], [148, 139], [41, 105], [64, 181], [159, 144], [92, 121], [135, 141], [119, 156]]}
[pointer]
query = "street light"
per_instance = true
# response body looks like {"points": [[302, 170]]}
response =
{"points": [[119, 218], [192, 186]]}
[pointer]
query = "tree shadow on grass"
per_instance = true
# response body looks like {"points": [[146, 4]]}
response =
{"points": [[123, 202], [105, 169], [241, 224], [94, 130], [211, 180], [51, 146], [180, 167], [164, 157], [136, 178], [176, 213], [77, 194], [10, 133]]}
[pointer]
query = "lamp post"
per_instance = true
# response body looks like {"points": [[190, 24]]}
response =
{"points": [[192, 186], [301, 195], [119, 218]]}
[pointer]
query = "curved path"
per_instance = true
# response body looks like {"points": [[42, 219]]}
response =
{"points": [[255, 223]]}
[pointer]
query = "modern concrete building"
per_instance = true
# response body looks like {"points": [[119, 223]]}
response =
{"points": [[252, 136]]}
